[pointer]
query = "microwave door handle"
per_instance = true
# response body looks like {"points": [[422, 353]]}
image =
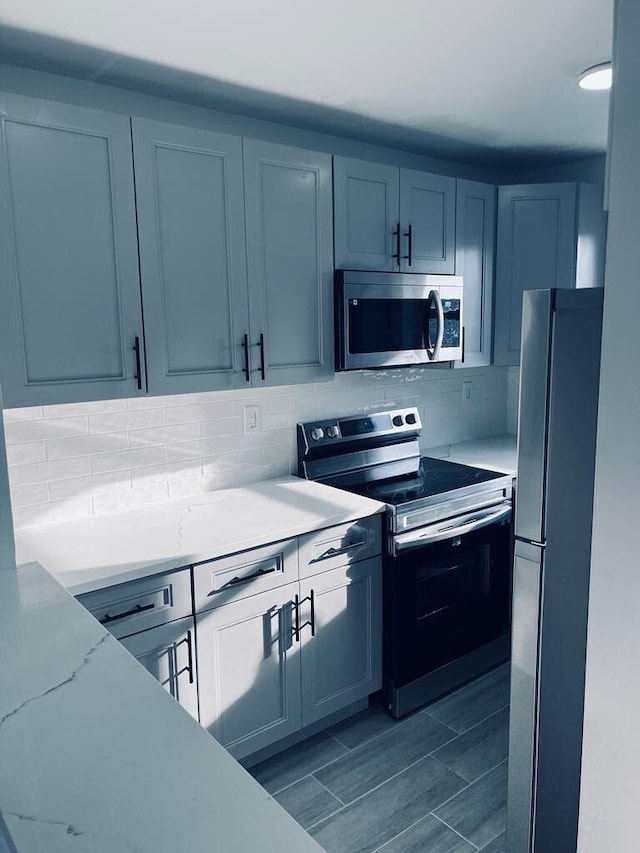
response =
{"points": [[439, 337], [426, 331]]}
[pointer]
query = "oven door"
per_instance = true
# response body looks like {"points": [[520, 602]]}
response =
{"points": [[450, 596], [399, 324]]}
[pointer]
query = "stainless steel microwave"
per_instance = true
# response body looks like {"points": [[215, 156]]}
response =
{"points": [[395, 319]]}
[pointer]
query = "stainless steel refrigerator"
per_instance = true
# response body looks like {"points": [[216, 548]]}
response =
{"points": [[7, 547], [559, 377]]}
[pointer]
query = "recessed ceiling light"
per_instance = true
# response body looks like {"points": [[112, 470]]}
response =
{"points": [[596, 78]]}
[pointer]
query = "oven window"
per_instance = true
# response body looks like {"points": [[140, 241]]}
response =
{"points": [[386, 325], [447, 599]]}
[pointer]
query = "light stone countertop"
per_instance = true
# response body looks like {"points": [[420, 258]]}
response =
{"points": [[88, 554], [95, 757], [497, 453]]}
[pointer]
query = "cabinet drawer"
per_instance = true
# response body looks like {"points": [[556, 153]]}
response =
{"points": [[137, 605], [341, 545], [240, 575]]}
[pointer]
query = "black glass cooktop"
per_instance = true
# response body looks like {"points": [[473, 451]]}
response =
{"points": [[433, 477]]}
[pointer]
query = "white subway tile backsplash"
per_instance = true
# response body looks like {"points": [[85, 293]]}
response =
{"points": [[75, 460], [32, 413], [37, 493], [124, 459], [39, 430], [164, 435], [91, 484], [44, 472], [123, 421], [21, 454], [198, 412], [86, 445]]}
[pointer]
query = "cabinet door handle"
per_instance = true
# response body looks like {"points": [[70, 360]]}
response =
{"points": [[235, 581], [245, 346], [296, 618], [396, 234], [462, 359], [334, 552], [190, 654], [138, 374], [409, 235], [139, 608], [311, 622], [261, 344]]}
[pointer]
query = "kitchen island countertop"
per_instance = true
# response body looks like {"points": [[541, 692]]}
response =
{"points": [[95, 757]]}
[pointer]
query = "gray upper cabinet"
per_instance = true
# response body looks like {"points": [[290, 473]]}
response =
{"points": [[366, 215], [475, 243], [427, 220], [189, 195], [388, 219], [70, 312], [288, 209], [549, 235]]}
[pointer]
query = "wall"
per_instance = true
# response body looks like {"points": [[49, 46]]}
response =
{"points": [[610, 794], [82, 459], [7, 547], [38, 84]]}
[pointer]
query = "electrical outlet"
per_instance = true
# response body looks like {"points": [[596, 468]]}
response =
{"points": [[466, 391], [251, 419]]}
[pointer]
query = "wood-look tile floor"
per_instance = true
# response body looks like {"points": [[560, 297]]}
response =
{"points": [[434, 782]]}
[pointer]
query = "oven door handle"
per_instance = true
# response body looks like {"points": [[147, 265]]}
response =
{"points": [[436, 533]]}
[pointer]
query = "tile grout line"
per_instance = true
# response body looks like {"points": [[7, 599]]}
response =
{"points": [[469, 784], [335, 796], [464, 731], [376, 787], [459, 834], [337, 740]]}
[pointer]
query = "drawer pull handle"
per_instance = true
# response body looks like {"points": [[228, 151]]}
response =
{"points": [[334, 552], [235, 581], [139, 608]]}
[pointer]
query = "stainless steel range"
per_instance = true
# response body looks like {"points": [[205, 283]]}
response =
{"points": [[447, 574]]}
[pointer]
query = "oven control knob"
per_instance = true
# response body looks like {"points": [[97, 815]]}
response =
{"points": [[398, 420], [411, 418], [317, 433], [333, 432]]}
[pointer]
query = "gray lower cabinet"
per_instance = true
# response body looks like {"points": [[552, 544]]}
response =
{"points": [[249, 668], [70, 313], [475, 244], [388, 218], [288, 207], [342, 660], [549, 235], [189, 196], [168, 654]]}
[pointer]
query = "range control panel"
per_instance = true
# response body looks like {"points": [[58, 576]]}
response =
{"points": [[400, 422]]}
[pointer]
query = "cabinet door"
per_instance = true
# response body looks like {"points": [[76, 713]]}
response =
{"points": [[475, 241], [536, 250], [366, 214], [189, 196], [342, 661], [290, 263], [168, 653], [249, 671], [427, 219], [70, 298]]}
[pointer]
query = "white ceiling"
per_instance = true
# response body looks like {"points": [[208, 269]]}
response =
{"points": [[500, 74]]}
